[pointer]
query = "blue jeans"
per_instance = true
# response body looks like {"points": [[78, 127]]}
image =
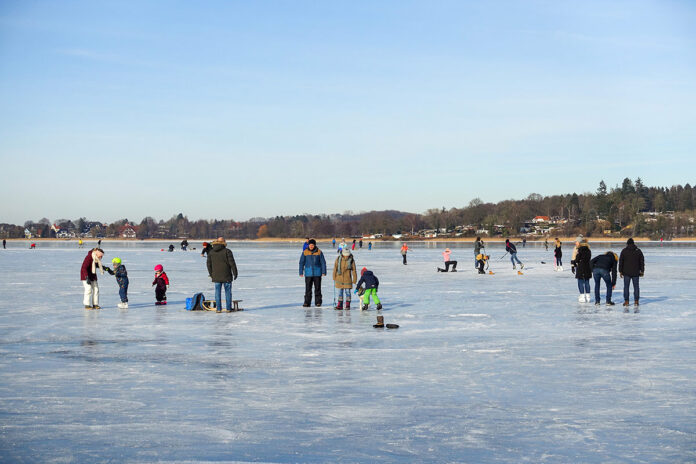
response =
{"points": [[636, 287], [341, 291], [228, 295], [600, 274], [123, 291], [513, 258], [583, 285]]}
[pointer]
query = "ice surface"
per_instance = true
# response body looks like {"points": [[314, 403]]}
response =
{"points": [[505, 368]]}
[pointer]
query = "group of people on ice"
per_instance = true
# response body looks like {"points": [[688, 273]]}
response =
{"points": [[312, 267], [631, 267], [88, 276]]}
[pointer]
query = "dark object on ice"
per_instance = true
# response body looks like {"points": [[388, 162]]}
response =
{"points": [[543, 262], [235, 306], [380, 323], [392, 326]]}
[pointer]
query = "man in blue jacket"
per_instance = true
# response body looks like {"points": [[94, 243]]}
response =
{"points": [[312, 267]]}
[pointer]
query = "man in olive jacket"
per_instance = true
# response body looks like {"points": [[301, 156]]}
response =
{"points": [[222, 270]]}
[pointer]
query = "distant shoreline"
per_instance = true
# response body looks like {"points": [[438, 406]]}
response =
{"points": [[374, 240]]}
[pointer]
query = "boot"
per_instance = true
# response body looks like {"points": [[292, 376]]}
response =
{"points": [[635, 303], [364, 307], [339, 305], [96, 307], [610, 303], [379, 306], [88, 307], [635, 306], [587, 297], [514, 267], [581, 298], [521, 265], [347, 304], [596, 303]]}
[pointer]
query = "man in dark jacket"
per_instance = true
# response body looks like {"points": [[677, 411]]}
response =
{"points": [[512, 249], [207, 247], [312, 267], [602, 267], [222, 270], [631, 268]]}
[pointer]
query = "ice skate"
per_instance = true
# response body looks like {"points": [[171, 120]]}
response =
{"points": [[581, 298], [364, 307], [379, 306]]}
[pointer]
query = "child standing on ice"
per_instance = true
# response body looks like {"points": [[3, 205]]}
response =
{"points": [[162, 282], [119, 271], [558, 254], [371, 285]]}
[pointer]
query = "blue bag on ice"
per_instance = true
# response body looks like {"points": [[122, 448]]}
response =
{"points": [[194, 303]]}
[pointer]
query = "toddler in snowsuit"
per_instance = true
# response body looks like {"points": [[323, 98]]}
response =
{"points": [[121, 274], [371, 285], [481, 260], [162, 282]]}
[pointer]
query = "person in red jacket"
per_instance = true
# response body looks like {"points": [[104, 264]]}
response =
{"points": [[162, 282], [88, 275]]}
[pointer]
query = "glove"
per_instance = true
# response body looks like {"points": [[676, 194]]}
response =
{"points": [[572, 269], [356, 291], [234, 278], [641, 273]]}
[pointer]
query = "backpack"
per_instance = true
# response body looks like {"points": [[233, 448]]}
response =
{"points": [[195, 303]]}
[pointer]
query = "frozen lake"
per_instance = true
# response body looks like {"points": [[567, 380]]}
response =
{"points": [[500, 368]]}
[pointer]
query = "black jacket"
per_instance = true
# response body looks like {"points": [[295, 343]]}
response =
{"points": [[631, 261], [510, 247], [221, 265], [369, 279], [606, 261], [557, 252], [582, 264]]}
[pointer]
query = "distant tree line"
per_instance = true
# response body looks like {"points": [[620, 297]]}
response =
{"points": [[627, 209]]}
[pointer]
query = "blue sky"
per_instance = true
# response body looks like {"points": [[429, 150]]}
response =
{"points": [[115, 109]]}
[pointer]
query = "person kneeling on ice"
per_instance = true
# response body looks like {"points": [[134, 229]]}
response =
{"points": [[512, 249], [162, 282], [371, 286], [582, 268], [344, 276], [481, 260], [448, 261], [88, 275], [602, 266], [119, 271], [222, 269]]}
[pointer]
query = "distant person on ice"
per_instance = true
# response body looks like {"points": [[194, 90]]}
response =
{"points": [[162, 284], [333, 243], [312, 267], [582, 268], [119, 271], [88, 275], [207, 247], [171, 248], [447, 256], [512, 249], [4, 243], [631, 268], [558, 255], [478, 245], [184, 245], [222, 270], [353, 246], [344, 276], [371, 283], [604, 268], [369, 246], [404, 250]]}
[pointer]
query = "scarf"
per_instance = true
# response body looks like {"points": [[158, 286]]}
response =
{"points": [[349, 264], [96, 262]]}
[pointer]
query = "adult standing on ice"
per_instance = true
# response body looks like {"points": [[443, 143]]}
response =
{"points": [[222, 269], [512, 249], [631, 268], [558, 255], [582, 268], [312, 268], [478, 244], [404, 250], [4, 243], [88, 276], [344, 276]]}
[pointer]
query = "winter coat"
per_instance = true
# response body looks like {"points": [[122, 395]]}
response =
{"points": [[221, 265], [344, 274], [606, 261], [404, 250], [312, 263], [207, 249], [558, 252], [581, 263], [121, 274], [86, 270], [510, 247], [369, 279], [161, 281], [446, 255], [631, 261], [478, 244]]}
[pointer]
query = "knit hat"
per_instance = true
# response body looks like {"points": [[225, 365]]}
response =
{"points": [[159, 268], [579, 238], [362, 271], [312, 242], [630, 241], [345, 251]]}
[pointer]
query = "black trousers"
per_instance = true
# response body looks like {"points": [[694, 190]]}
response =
{"points": [[404, 256], [309, 281]]}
